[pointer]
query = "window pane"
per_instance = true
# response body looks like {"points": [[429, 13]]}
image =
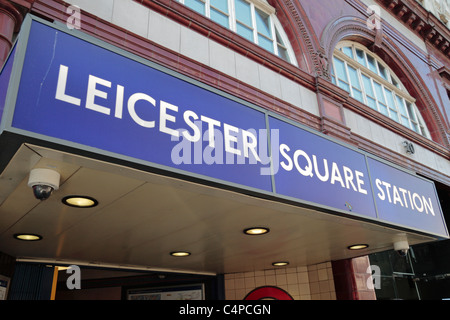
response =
{"points": [[412, 115], [393, 114], [196, 5], [282, 52], [344, 85], [222, 5], [371, 102], [243, 13], [220, 18], [278, 37], [383, 109], [357, 95], [341, 74], [368, 86], [265, 43], [348, 51], [423, 131], [405, 121], [340, 69], [379, 92], [360, 57], [383, 72], [394, 82], [372, 63], [401, 105], [263, 23], [244, 31], [390, 98], [333, 78], [421, 122], [354, 77]]}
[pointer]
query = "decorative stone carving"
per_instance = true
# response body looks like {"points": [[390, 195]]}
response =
{"points": [[319, 58], [322, 64]]}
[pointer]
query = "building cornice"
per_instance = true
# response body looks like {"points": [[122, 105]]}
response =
{"points": [[422, 22], [444, 72]]}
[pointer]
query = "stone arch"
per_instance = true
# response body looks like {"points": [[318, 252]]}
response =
{"points": [[303, 40]]}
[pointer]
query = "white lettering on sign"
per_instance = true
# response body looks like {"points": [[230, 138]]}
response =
{"points": [[93, 92], [168, 115], [403, 197], [224, 136], [350, 179], [132, 111], [61, 87]]}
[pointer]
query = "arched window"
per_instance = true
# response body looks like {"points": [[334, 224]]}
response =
{"points": [[254, 20], [368, 79]]}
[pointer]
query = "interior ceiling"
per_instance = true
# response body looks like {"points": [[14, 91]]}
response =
{"points": [[142, 217]]}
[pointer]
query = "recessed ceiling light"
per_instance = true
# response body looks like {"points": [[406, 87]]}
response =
{"points": [[280, 263], [80, 201], [255, 231], [358, 246], [27, 236], [180, 253]]}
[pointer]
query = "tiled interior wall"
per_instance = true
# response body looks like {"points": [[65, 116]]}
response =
{"points": [[314, 282], [321, 281]]}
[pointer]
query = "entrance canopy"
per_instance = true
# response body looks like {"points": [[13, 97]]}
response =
{"points": [[142, 217]]}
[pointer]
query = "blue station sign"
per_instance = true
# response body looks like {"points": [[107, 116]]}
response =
{"points": [[74, 90]]}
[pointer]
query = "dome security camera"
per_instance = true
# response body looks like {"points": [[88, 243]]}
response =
{"points": [[401, 247], [43, 182]]}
